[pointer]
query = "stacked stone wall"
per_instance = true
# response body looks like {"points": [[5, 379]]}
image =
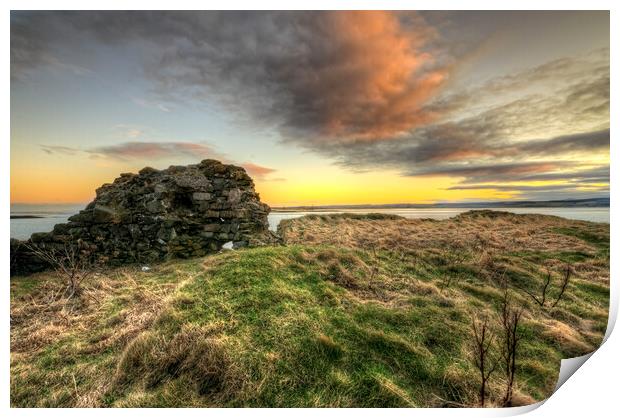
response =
{"points": [[182, 211]]}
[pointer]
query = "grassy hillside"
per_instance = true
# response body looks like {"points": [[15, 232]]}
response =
{"points": [[352, 311]]}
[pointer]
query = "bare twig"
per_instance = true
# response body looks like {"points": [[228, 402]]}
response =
{"points": [[483, 340], [567, 273], [509, 319], [541, 301]]}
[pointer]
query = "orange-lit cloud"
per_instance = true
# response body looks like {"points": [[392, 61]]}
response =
{"points": [[157, 151], [371, 81], [257, 171]]}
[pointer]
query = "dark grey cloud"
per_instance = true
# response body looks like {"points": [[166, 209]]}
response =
{"points": [[499, 171], [461, 149], [558, 74], [593, 182], [556, 173], [311, 73], [550, 192], [589, 141], [512, 188]]}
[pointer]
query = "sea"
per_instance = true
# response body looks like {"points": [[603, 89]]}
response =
{"points": [[49, 215]]}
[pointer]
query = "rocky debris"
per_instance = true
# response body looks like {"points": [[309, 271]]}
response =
{"points": [[183, 211]]}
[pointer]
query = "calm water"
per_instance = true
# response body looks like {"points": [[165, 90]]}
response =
{"points": [[53, 214]]}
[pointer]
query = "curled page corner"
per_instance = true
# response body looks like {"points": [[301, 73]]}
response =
{"points": [[569, 366], [518, 410]]}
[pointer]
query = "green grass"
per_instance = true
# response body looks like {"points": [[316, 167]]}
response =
{"points": [[296, 325], [304, 342]]}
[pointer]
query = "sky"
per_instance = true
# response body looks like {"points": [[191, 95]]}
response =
{"points": [[321, 108]]}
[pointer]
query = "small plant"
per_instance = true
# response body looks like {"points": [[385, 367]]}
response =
{"points": [[566, 278], [509, 320], [485, 363], [73, 262], [542, 299]]}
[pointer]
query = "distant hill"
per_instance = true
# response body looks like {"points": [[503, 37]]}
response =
{"points": [[577, 203]]}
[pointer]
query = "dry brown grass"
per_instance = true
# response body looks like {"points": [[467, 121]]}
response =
{"points": [[43, 322], [194, 353], [567, 337], [505, 232], [40, 320], [482, 236]]}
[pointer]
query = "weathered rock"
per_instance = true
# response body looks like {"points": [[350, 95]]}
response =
{"points": [[182, 211]]}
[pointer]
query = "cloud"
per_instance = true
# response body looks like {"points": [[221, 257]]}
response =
{"points": [[593, 182], [154, 151], [332, 74], [557, 172], [59, 149], [566, 144], [151, 104], [130, 131], [336, 75], [526, 135], [448, 146], [543, 192], [495, 171], [257, 171], [141, 150], [514, 188], [368, 90], [30, 41]]}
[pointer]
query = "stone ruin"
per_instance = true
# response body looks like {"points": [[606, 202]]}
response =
{"points": [[183, 211]]}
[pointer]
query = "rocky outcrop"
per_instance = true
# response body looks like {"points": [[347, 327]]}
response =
{"points": [[183, 211]]}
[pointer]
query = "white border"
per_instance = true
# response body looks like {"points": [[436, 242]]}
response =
{"points": [[591, 392]]}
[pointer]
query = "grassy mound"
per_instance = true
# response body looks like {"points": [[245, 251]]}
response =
{"points": [[360, 323]]}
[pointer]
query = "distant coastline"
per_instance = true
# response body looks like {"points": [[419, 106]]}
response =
{"points": [[26, 217], [566, 203]]}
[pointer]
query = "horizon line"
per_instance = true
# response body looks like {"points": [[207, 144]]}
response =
{"points": [[372, 204]]}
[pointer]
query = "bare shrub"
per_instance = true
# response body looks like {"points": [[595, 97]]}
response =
{"points": [[485, 363], [542, 298], [509, 320], [543, 294], [565, 279], [74, 263]]}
